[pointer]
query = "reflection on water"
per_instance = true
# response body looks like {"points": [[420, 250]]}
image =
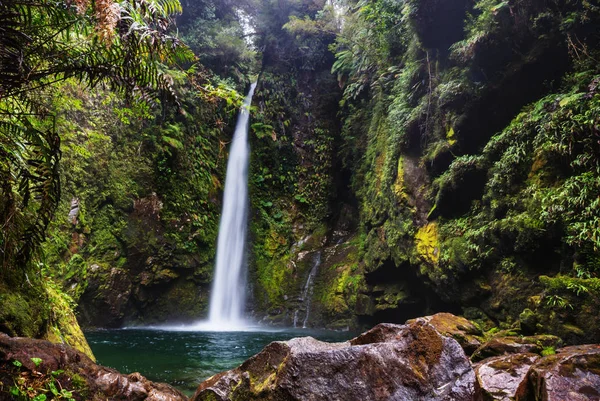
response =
{"points": [[185, 358]]}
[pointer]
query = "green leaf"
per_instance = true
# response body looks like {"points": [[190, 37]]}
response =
{"points": [[568, 99], [37, 361], [172, 142], [53, 388], [17, 363]]}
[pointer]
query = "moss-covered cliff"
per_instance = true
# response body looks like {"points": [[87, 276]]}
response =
{"points": [[466, 167], [133, 241]]}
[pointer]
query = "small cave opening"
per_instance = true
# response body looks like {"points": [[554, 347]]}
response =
{"points": [[419, 300]]}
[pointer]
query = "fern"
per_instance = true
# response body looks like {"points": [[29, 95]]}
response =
{"points": [[125, 45]]}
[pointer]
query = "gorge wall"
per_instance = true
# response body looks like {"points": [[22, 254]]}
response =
{"points": [[459, 173]]}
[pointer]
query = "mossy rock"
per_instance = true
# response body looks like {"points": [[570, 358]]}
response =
{"points": [[181, 300], [467, 333], [63, 327], [17, 317], [503, 345]]}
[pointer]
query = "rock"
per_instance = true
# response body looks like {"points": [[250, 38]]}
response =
{"points": [[468, 335], [73, 371], [106, 298], [515, 345], [74, 211], [389, 362], [528, 321], [364, 305], [504, 377], [572, 374]]}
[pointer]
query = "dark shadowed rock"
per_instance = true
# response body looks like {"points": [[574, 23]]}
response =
{"points": [[504, 377], [389, 362], [105, 300], [572, 374], [515, 345], [468, 335], [73, 371]]}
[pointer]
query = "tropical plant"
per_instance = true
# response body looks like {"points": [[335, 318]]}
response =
{"points": [[125, 45]]}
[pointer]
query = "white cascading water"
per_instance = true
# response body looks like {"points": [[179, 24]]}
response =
{"points": [[307, 291], [229, 285]]}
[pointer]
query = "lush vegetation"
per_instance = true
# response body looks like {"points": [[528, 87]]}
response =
{"points": [[427, 155], [100, 104], [475, 164]]}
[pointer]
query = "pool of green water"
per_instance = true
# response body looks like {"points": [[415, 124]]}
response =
{"points": [[186, 358]]}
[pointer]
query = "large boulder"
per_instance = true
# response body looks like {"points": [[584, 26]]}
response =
{"points": [[389, 362], [29, 368], [504, 378], [468, 335], [515, 345], [572, 374]]}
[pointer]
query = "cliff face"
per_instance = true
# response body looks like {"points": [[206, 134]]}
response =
{"points": [[464, 176], [133, 241], [469, 151]]}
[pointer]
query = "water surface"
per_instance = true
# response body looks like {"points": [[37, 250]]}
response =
{"points": [[186, 358]]}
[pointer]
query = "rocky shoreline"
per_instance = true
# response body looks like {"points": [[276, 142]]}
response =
{"points": [[439, 357]]}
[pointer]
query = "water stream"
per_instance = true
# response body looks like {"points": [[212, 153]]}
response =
{"points": [[307, 291], [229, 285]]}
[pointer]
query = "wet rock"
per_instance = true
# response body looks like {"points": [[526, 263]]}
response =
{"points": [[528, 321], [468, 335], [106, 299], [515, 345], [504, 377], [73, 371], [389, 362], [572, 374]]}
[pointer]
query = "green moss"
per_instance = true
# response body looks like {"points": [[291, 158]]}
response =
{"points": [[393, 295], [340, 296], [63, 327], [427, 243], [573, 285], [341, 280], [399, 186], [259, 385], [17, 318], [79, 383], [548, 351], [272, 277], [180, 299], [451, 137]]}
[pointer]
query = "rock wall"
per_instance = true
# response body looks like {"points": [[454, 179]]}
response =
{"points": [[134, 235], [464, 165]]}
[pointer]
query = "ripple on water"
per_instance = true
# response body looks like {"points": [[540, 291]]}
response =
{"points": [[184, 358]]}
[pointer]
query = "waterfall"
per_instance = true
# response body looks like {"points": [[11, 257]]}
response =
{"points": [[229, 285], [307, 291]]}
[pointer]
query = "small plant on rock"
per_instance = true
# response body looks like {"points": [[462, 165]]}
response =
{"points": [[32, 385]]}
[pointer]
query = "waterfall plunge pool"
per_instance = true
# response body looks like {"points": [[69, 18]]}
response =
{"points": [[185, 358]]}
